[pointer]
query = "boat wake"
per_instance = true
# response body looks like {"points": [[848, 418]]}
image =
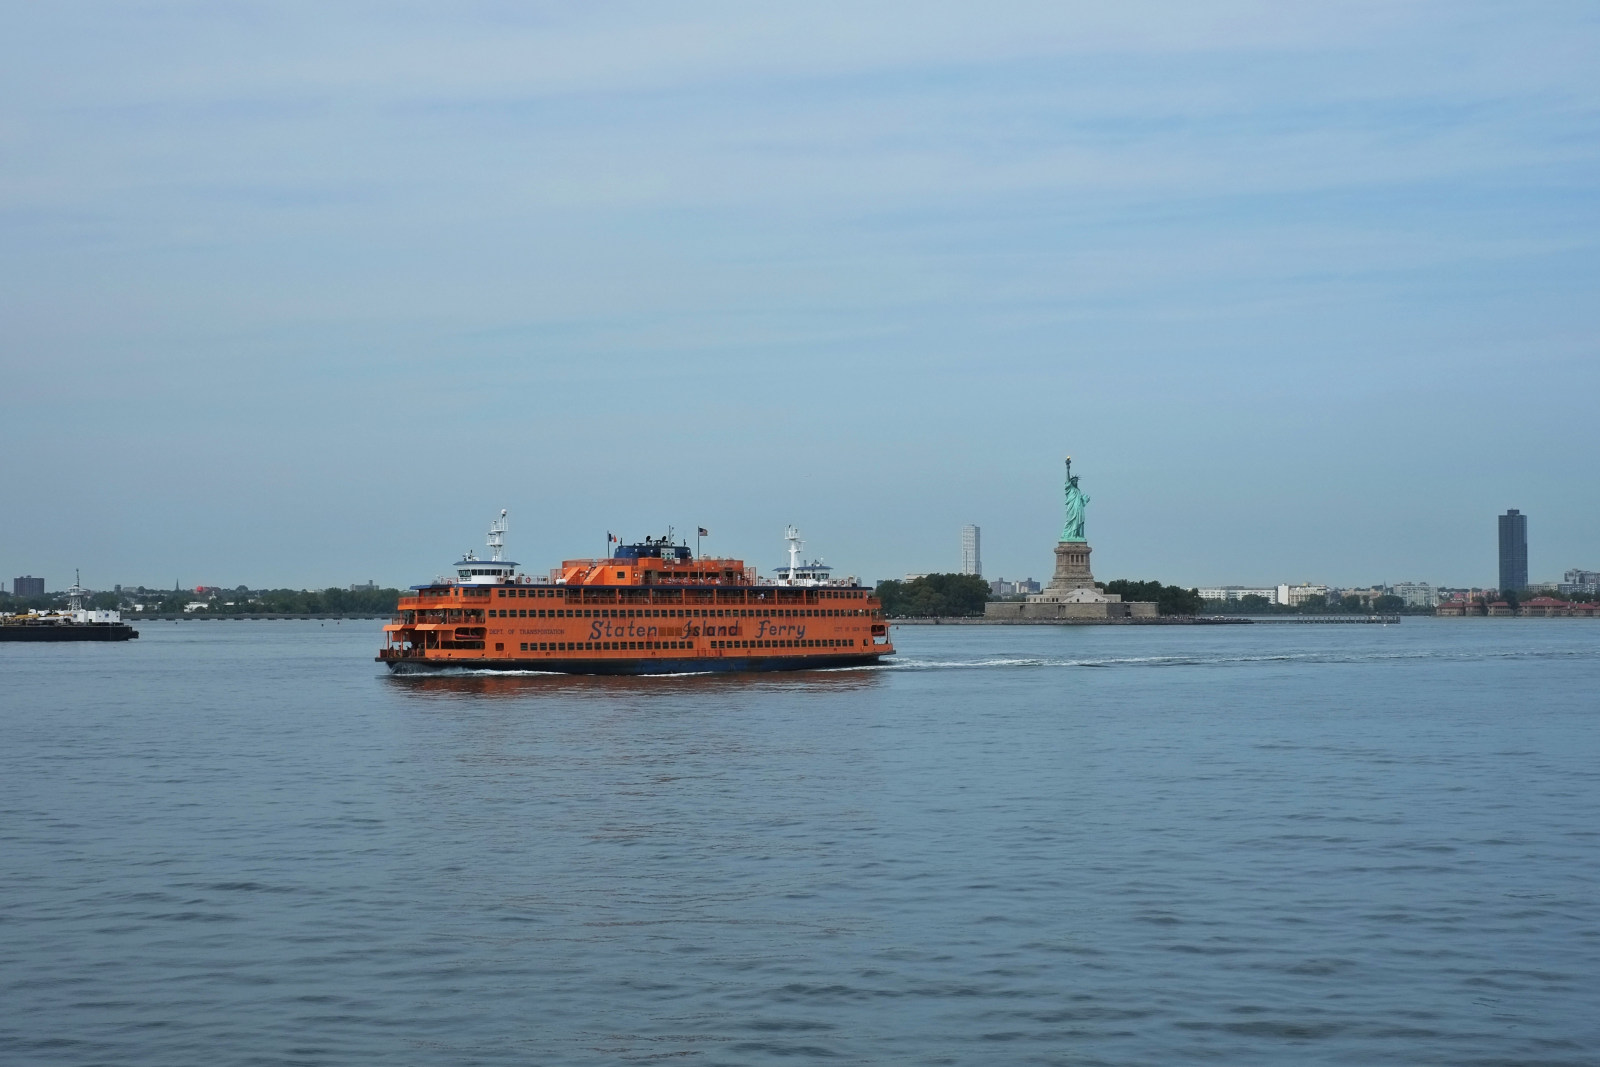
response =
{"points": [[1442, 655]]}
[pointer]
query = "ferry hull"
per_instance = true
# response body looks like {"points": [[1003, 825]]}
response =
{"points": [[688, 665]]}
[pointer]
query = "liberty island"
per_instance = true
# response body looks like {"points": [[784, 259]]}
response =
{"points": [[1072, 594]]}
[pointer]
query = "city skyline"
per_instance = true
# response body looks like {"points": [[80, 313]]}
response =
{"points": [[1512, 552]]}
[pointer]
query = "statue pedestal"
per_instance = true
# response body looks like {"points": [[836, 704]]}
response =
{"points": [[1072, 572]]}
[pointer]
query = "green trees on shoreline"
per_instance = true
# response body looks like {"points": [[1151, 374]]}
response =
{"points": [[964, 596], [1169, 599], [934, 595]]}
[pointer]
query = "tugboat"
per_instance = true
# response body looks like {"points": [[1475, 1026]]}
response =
{"points": [[77, 623], [651, 607]]}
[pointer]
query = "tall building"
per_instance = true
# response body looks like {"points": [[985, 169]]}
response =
{"points": [[971, 558], [27, 586], [1513, 550]]}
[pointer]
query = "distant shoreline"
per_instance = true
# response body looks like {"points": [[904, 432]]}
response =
{"points": [[218, 617], [1161, 620]]}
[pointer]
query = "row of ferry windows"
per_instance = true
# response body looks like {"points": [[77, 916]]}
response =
{"points": [[523, 591], [642, 646], [670, 613]]}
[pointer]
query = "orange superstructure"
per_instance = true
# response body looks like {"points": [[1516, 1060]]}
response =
{"points": [[650, 608]]}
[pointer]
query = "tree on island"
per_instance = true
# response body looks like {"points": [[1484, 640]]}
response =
{"points": [[1169, 599], [934, 596]]}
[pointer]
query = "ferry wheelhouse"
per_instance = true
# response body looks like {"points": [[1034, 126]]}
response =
{"points": [[651, 607]]}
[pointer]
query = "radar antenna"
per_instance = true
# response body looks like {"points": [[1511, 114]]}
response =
{"points": [[791, 535], [497, 536]]}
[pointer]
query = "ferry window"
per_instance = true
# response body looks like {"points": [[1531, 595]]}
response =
{"points": [[621, 574]]}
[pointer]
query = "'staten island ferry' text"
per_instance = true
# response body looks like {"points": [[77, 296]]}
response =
{"points": [[650, 608]]}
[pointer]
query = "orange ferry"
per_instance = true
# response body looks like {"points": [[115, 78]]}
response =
{"points": [[650, 608]]}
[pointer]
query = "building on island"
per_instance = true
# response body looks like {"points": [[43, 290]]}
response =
{"points": [[1295, 595], [27, 585], [1579, 581], [971, 559], [1232, 594], [1072, 594], [1416, 594], [1021, 587], [1513, 550]]}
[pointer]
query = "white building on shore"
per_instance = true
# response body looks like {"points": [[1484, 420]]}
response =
{"points": [[1295, 595], [1230, 594]]}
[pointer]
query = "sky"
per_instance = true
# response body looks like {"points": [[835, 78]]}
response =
{"points": [[305, 293]]}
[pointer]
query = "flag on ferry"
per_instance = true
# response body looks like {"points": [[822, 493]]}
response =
{"points": [[704, 532]]}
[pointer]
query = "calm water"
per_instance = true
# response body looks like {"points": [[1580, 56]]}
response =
{"points": [[240, 843]]}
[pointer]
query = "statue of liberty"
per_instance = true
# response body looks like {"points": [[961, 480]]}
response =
{"points": [[1076, 499]]}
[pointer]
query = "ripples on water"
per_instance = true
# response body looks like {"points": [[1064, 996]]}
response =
{"points": [[239, 842]]}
